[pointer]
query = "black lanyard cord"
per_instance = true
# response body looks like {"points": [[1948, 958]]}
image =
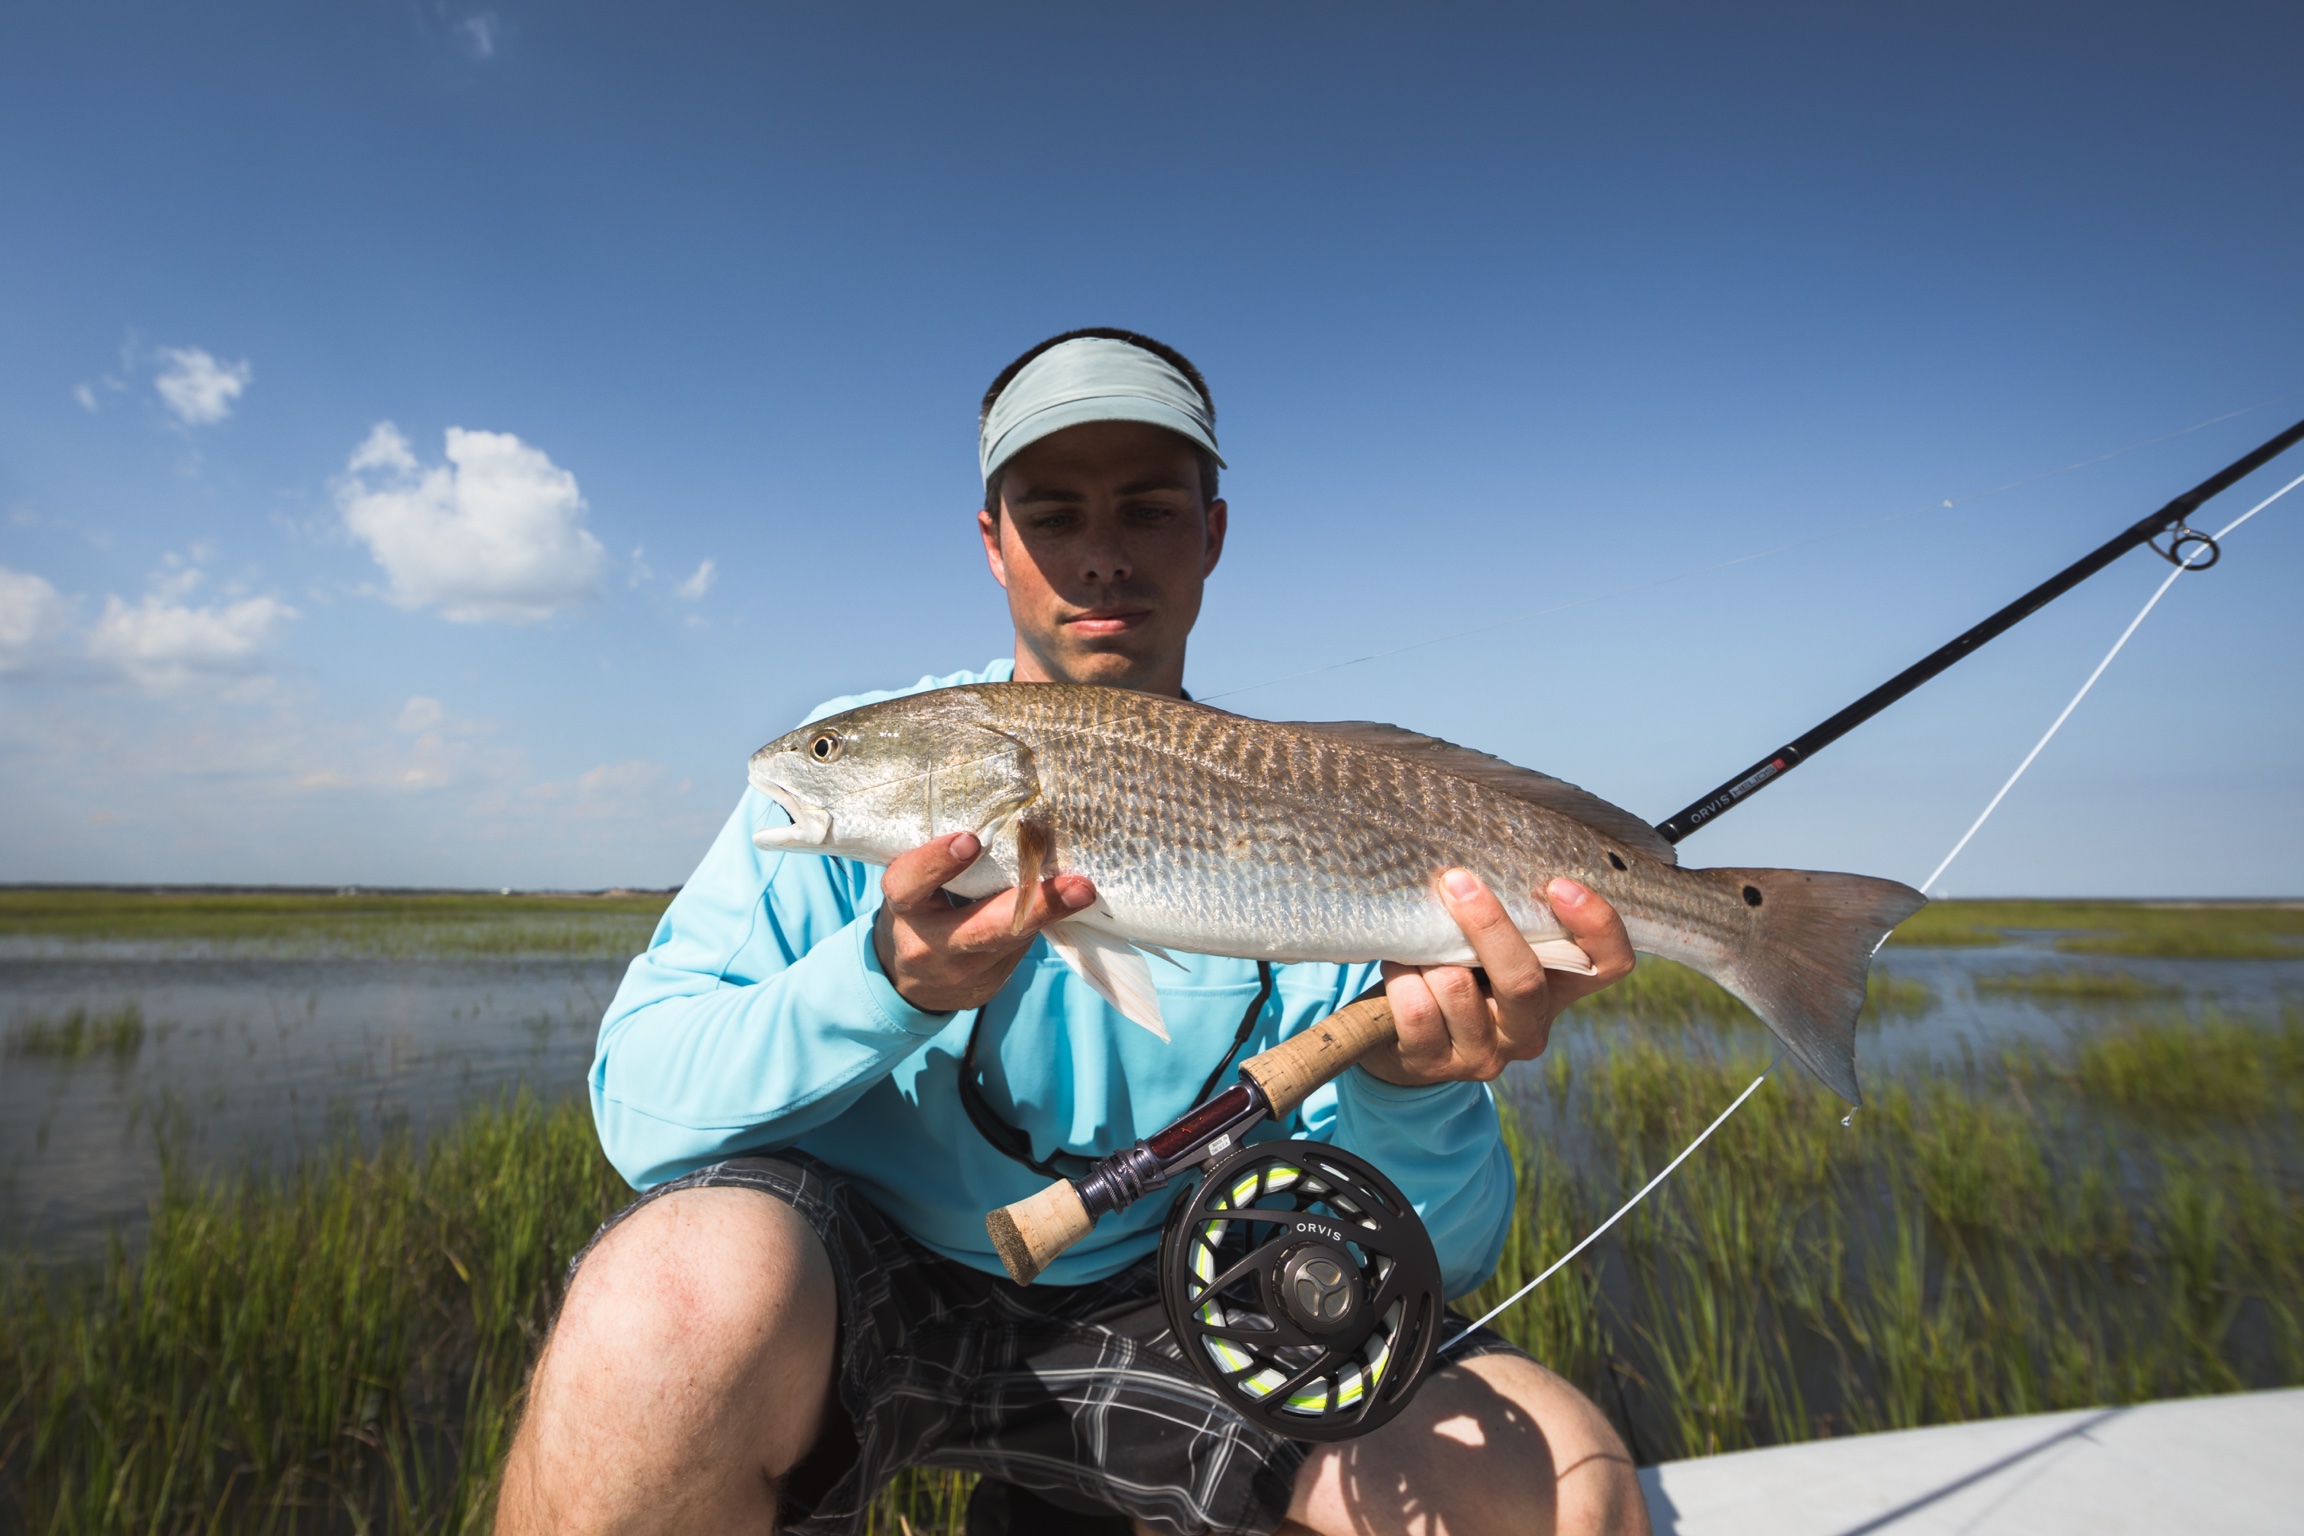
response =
{"points": [[1011, 1140]]}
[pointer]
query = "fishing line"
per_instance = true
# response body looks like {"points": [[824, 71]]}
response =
{"points": [[1493, 1312], [1745, 559], [2152, 602], [2188, 562]]}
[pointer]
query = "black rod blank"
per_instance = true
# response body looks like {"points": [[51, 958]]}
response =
{"points": [[1798, 750]]}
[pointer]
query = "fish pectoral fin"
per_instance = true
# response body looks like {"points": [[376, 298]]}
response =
{"points": [[1114, 967], [1563, 955], [1032, 850]]}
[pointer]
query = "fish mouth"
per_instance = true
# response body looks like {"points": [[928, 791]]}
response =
{"points": [[811, 824]]}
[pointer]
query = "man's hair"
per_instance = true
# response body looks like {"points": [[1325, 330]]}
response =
{"points": [[1159, 349]]}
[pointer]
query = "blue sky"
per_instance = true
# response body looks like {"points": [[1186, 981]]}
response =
{"points": [[437, 443]]}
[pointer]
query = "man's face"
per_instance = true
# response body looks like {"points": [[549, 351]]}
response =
{"points": [[1103, 547]]}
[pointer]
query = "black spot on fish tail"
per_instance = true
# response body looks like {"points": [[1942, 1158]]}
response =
{"points": [[1804, 965]]}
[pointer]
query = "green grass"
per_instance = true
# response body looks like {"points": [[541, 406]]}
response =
{"points": [[80, 1034], [344, 1349], [1665, 992], [2160, 930], [2065, 986], [380, 925], [2180, 1075], [2005, 1237]]}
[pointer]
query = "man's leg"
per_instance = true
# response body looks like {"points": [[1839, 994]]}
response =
{"points": [[1492, 1445], [687, 1373]]}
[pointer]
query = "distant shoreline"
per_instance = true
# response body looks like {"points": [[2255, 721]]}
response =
{"points": [[146, 888]]}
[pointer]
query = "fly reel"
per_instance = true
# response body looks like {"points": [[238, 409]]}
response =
{"points": [[1301, 1285]]}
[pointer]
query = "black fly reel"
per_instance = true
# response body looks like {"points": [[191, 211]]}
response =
{"points": [[1302, 1286]]}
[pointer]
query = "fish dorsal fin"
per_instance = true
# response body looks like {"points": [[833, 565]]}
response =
{"points": [[1527, 784]]}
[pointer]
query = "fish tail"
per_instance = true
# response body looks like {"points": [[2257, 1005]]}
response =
{"points": [[1805, 969]]}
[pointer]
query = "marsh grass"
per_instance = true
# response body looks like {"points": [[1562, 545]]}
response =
{"points": [[2070, 987], [2160, 930], [383, 925], [2120, 1223], [341, 1349], [344, 1349], [79, 1034], [2180, 1074], [1665, 992]]}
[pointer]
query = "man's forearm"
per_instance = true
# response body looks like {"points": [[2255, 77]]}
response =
{"points": [[691, 1068]]}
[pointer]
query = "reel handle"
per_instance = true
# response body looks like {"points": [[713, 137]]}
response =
{"points": [[1030, 1234]]}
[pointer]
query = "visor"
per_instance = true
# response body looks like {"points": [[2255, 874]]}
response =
{"points": [[1092, 378]]}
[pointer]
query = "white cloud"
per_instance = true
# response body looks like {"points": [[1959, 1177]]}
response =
{"points": [[197, 389], [33, 617], [169, 647], [479, 33], [694, 588], [180, 575], [86, 397], [419, 715], [608, 792], [496, 533]]}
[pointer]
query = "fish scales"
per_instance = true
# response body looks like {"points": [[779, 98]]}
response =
{"points": [[1213, 833], [1243, 837]]}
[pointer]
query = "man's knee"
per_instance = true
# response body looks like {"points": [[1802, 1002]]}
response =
{"points": [[696, 1295], [1596, 1488], [712, 1272], [696, 1345], [1494, 1444]]}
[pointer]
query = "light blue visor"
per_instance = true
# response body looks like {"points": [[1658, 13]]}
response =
{"points": [[1091, 378]]}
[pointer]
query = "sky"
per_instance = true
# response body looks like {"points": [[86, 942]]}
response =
{"points": [[438, 443]]}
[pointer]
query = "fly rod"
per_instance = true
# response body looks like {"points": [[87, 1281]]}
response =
{"points": [[2170, 519], [1029, 1234]]}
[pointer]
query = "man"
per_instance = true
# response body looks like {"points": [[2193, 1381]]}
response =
{"points": [[824, 1075]]}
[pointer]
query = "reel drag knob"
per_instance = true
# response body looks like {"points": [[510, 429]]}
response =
{"points": [[1302, 1287], [1320, 1287]]}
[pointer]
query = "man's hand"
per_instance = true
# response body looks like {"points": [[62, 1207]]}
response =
{"points": [[1454, 1029], [942, 953]]}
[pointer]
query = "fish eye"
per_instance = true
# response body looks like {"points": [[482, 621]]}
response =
{"points": [[825, 746]]}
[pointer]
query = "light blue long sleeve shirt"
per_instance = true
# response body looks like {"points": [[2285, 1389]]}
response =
{"points": [[759, 1019]]}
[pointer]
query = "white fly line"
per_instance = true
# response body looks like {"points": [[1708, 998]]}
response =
{"points": [[1621, 1211], [2187, 563], [2058, 724]]}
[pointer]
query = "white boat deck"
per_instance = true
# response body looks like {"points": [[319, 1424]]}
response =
{"points": [[2232, 1465]]}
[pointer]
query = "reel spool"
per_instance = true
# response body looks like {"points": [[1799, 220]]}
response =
{"points": [[1301, 1285]]}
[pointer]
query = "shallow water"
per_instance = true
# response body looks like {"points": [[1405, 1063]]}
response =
{"points": [[1965, 1020], [257, 1060], [265, 1059]]}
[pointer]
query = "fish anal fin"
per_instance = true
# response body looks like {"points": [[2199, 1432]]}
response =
{"points": [[1116, 968], [1556, 795], [1157, 953]]}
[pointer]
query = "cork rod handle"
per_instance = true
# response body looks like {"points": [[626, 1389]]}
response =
{"points": [[1031, 1233], [1302, 1062]]}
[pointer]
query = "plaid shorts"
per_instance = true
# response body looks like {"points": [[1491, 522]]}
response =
{"points": [[1076, 1392]]}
